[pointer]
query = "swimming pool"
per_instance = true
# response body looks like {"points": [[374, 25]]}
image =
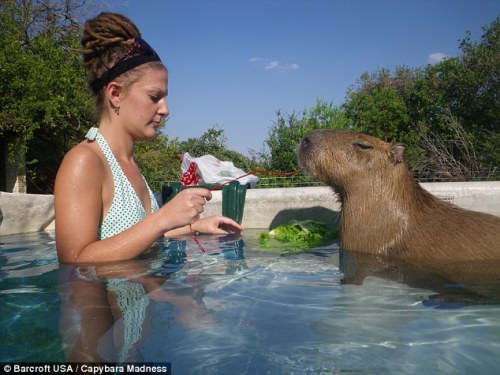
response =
{"points": [[239, 310]]}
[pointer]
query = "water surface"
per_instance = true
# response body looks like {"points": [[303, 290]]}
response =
{"points": [[240, 310]]}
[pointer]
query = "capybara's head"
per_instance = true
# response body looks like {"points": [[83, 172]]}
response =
{"points": [[343, 158]]}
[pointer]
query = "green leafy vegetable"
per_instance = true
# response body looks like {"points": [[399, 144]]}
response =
{"points": [[297, 235]]}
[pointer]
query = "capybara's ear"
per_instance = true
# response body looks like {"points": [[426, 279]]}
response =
{"points": [[397, 152]]}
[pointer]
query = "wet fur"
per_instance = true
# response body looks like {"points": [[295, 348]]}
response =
{"points": [[383, 208]]}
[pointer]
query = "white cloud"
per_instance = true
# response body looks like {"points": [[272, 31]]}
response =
{"points": [[435, 58], [273, 64]]}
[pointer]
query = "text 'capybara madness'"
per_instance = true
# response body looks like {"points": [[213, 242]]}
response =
{"points": [[384, 210]]}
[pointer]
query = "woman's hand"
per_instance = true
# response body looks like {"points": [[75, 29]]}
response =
{"points": [[216, 225], [185, 208]]}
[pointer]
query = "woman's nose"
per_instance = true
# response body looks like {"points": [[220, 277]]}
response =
{"points": [[163, 110]]}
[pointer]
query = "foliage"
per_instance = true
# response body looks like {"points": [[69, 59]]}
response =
{"points": [[450, 110], [158, 160], [453, 158], [214, 142], [447, 114], [378, 106], [43, 99], [383, 105], [296, 235], [469, 92], [285, 135]]}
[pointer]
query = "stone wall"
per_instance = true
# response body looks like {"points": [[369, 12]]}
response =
{"points": [[264, 208], [24, 213]]}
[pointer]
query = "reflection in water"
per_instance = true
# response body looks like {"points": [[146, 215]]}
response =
{"points": [[455, 283], [107, 309], [238, 310]]}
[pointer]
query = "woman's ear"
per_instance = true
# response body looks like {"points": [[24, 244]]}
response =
{"points": [[113, 91]]}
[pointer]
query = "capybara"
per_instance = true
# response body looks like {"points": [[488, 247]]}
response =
{"points": [[384, 210]]}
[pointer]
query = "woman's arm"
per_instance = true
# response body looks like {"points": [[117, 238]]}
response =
{"points": [[78, 209], [210, 225]]}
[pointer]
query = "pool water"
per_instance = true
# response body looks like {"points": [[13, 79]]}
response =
{"points": [[237, 309]]}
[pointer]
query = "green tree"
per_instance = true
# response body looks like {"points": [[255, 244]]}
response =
{"points": [[159, 160], [381, 104], [285, 135], [467, 90], [448, 110], [214, 142], [44, 102]]}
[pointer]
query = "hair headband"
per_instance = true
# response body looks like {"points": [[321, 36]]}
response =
{"points": [[140, 52]]}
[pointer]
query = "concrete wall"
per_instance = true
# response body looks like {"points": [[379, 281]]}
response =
{"points": [[24, 213], [264, 208]]}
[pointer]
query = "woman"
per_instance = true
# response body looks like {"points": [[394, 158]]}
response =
{"points": [[104, 209]]}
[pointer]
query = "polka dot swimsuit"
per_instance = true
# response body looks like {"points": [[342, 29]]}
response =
{"points": [[126, 209]]}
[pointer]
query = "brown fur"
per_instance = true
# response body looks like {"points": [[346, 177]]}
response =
{"points": [[383, 208]]}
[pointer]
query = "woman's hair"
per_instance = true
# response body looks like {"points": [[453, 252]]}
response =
{"points": [[106, 39]]}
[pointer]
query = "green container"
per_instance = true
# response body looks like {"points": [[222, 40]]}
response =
{"points": [[233, 200], [233, 197]]}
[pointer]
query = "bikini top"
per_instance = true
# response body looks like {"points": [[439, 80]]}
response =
{"points": [[126, 208]]}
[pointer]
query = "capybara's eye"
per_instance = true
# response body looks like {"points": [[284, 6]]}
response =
{"points": [[362, 146]]}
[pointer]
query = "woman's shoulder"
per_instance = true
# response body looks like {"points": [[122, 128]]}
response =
{"points": [[81, 171], [84, 156]]}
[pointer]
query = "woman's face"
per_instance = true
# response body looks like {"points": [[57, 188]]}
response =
{"points": [[144, 103]]}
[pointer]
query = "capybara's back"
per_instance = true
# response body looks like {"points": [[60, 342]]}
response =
{"points": [[383, 208]]}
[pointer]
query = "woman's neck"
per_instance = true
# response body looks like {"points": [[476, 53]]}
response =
{"points": [[120, 142]]}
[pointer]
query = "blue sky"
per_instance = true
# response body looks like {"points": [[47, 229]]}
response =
{"points": [[234, 63]]}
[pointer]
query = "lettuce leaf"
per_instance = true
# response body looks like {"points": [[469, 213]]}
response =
{"points": [[297, 235]]}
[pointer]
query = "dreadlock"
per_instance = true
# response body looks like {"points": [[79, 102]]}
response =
{"points": [[105, 38]]}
